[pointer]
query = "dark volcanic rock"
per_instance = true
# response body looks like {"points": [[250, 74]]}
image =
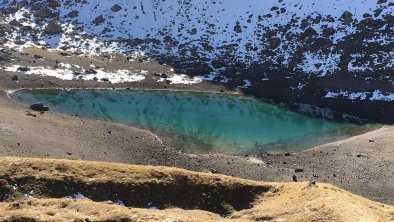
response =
{"points": [[91, 71], [23, 69], [43, 13], [37, 107], [347, 17], [99, 20], [53, 3], [116, 8], [53, 29], [72, 14], [15, 78]]}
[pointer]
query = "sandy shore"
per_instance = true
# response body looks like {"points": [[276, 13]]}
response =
{"points": [[363, 164]]}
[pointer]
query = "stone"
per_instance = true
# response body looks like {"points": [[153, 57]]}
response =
{"points": [[213, 171], [23, 69], [299, 170], [99, 20], [72, 14], [53, 29], [53, 3], [237, 28], [91, 71], [15, 78], [37, 106], [43, 13], [116, 8], [347, 17], [295, 178], [35, 56]]}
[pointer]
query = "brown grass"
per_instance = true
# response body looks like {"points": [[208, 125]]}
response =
{"points": [[34, 190]]}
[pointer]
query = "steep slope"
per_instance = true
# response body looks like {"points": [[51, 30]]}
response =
{"points": [[310, 38], [55, 190], [322, 51]]}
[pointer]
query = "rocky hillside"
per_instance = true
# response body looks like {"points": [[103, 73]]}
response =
{"points": [[59, 190], [323, 51]]}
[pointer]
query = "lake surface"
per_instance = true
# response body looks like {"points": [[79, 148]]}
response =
{"points": [[197, 122]]}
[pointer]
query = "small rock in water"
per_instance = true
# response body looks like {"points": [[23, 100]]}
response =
{"points": [[39, 107]]}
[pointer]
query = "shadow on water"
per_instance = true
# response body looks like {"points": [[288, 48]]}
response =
{"points": [[199, 122]]}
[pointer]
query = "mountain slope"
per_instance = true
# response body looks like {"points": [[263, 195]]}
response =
{"points": [[320, 52]]}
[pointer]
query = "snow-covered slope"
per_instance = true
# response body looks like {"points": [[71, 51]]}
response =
{"points": [[221, 40], [305, 36]]}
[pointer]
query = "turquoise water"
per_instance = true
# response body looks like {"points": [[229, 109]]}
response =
{"points": [[197, 122]]}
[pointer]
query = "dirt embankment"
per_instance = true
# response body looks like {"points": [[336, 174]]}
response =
{"points": [[36, 190]]}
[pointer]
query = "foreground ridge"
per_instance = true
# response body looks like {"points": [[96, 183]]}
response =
{"points": [[64, 190]]}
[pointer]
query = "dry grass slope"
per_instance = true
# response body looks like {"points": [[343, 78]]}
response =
{"points": [[34, 190]]}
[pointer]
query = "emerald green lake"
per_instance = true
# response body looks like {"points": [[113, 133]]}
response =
{"points": [[197, 122]]}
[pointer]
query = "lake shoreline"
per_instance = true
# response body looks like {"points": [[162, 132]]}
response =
{"points": [[295, 139], [362, 164]]}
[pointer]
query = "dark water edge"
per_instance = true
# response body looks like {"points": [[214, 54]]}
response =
{"points": [[197, 132]]}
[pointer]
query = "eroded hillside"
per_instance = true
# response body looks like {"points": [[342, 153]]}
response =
{"points": [[60, 190]]}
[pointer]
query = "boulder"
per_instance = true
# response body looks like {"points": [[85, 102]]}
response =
{"points": [[97, 21], [53, 3], [116, 8], [15, 78], [91, 71], [37, 107], [23, 69], [347, 18], [53, 29], [72, 14], [43, 13], [237, 28]]}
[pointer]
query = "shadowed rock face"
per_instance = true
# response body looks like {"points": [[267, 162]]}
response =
{"points": [[281, 47]]}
